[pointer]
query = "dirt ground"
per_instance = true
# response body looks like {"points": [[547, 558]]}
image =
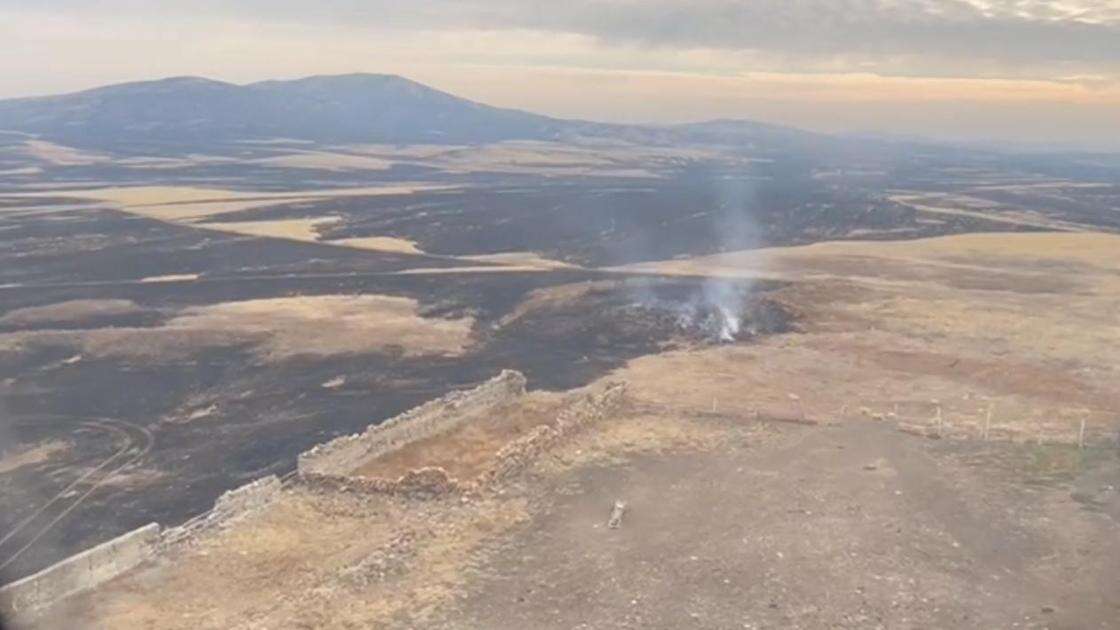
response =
{"points": [[908, 458], [852, 526]]}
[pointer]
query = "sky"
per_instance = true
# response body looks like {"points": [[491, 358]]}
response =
{"points": [[1009, 71]]}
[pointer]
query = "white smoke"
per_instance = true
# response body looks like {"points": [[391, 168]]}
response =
{"points": [[734, 230], [716, 309], [726, 300]]}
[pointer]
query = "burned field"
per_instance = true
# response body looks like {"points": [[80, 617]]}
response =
{"points": [[606, 222], [139, 392], [905, 458], [154, 354]]}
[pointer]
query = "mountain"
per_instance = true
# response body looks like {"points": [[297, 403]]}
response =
{"points": [[192, 114], [195, 112]]}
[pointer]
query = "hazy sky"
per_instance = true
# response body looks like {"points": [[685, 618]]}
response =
{"points": [[1026, 70]]}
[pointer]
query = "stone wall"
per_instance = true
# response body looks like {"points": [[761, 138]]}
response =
{"points": [[326, 466], [230, 505], [522, 452], [78, 573], [246, 498], [512, 458], [343, 455], [90, 568], [421, 483]]}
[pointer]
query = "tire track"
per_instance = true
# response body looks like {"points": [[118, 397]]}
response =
{"points": [[137, 443]]}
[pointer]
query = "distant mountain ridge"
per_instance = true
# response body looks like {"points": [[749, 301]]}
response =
{"points": [[193, 113]]}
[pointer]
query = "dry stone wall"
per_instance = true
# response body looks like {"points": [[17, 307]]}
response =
{"points": [[93, 567], [78, 573], [512, 458], [326, 466], [343, 455], [232, 504], [421, 483], [520, 453]]}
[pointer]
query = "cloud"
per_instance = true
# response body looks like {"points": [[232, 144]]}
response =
{"points": [[921, 37], [1004, 68], [1011, 31]]}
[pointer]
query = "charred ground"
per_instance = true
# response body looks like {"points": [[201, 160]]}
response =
{"points": [[206, 409]]}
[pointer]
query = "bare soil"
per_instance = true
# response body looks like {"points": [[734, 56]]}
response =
{"points": [[855, 526]]}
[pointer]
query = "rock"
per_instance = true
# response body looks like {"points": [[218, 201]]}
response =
{"points": [[617, 511]]}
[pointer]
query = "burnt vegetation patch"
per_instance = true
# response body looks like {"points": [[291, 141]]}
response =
{"points": [[220, 416], [699, 209], [596, 326]]}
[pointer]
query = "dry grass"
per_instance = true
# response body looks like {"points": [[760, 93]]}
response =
{"points": [[182, 204], [135, 196], [593, 159], [59, 155], [278, 328], [398, 152], [1026, 323], [174, 277], [430, 271], [552, 297], [386, 244], [1005, 253], [305, 230], [963, 205], [71, 312], [322, 160], [543, 158], [521, 259], [342, 325], [619, 439], [309, 561], [15, 459]]}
